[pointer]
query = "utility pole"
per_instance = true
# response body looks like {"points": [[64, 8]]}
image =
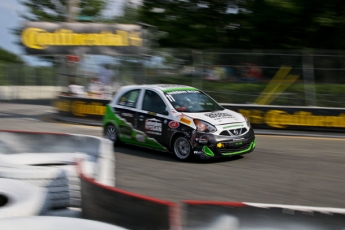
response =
{"points": [[72, 10]]}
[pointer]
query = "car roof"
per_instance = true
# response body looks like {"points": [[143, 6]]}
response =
{"points": [[161, 87]]}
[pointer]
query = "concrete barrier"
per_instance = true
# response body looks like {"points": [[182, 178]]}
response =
{"points": [[255, 216], [126, 209], [29, 92]]}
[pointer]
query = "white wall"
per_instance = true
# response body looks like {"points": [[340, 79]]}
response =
{"points": [[29, 92]]}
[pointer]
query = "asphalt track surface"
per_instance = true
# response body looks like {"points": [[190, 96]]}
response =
{"points": [[283, 169]]}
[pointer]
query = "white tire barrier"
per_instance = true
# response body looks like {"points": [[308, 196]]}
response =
{"points": [[67, 212], [24, 172], [47, 160], [52, 179], [42, 158], [45, 145], [24, 199], [64, 189], [54, 223], [74, 181]]}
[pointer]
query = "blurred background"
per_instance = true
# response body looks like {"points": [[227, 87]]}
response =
{"points": [[237, 51]]}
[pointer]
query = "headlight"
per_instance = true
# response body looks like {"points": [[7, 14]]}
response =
{"points": [[203, 126], [248, 123]]}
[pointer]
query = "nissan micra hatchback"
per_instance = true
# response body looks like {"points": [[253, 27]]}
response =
{"points": [[176, 118]]}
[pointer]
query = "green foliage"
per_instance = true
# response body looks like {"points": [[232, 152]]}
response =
{"points": [[185, 24], [19, 74], [248, 24], [130, 14], [56, 11], [6, 56]]}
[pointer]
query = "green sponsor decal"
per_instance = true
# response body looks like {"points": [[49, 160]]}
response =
{"points": [[109, 116], [231, 126], [140, 138], [178, 89], [207, 151], [134, 136], [252, 145]]}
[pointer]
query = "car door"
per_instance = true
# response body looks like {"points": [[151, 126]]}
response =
{"points": [[152, 119], [126, 112]]}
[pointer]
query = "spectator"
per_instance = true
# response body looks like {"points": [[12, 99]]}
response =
{"points": [[74, 89], [95, 87], [253, 73], [210, 74]]}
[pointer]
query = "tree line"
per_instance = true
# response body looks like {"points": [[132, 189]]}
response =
{"points": [[209, 24]]}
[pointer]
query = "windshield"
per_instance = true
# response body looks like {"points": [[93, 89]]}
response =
{"points": [[192, 101]]}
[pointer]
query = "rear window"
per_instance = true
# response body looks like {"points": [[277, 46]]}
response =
{"points": [[129, 99]]}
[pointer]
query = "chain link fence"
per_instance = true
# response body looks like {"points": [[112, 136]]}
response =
{"points": [[295, 78], [275, 77]]}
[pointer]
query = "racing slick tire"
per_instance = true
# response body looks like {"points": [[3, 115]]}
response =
{"points": [[182, 149], [111, 133]]}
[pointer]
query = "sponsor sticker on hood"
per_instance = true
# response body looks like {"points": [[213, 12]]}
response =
{"points": [[219, 115], [222, 117]]}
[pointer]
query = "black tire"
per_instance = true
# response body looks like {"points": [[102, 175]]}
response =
{"points": [[182, 148], [111, 133]]}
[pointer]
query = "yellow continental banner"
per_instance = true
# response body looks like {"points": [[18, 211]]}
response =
{"points": [[81, 108], [36, 38], [281, 119]]}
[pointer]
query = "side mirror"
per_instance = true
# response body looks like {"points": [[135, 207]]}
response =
{"points": [[165, 113]]}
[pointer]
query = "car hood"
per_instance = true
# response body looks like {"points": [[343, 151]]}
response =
{"points": [[220, 117]]}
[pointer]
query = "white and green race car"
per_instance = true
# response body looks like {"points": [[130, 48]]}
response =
{"points": [[176, 118]]}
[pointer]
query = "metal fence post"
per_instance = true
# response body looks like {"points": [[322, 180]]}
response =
{"points": [[308, 78], [198, 67]]}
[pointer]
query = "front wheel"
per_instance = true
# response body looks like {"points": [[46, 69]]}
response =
{"points": [[111, 133], [182, 148]]}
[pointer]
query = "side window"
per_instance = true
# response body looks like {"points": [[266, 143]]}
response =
{"points": [[153, 102], [129, 99]]}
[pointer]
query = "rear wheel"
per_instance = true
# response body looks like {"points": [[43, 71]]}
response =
{"points": [[182, 148], [111, 133]]}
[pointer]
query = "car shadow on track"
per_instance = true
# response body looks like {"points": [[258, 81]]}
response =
{"points": [[145, 153], [166, 156]]}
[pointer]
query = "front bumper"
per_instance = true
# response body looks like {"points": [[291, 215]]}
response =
{"points": [[208, 146]]}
